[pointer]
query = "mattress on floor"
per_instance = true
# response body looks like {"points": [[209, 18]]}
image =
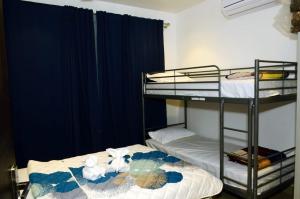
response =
{"points": [[156, 175], [229, 88], [204, 153]]}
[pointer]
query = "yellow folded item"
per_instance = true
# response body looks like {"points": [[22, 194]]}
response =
{"points": [[263, 75], [273, 75]]}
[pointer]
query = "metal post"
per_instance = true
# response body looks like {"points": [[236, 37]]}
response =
{"points": [[250, 125], [185, 113], [283, 81], [143, 108], [13, 178], [174, 79], [281, 158], [256, 129], [222, 140]]}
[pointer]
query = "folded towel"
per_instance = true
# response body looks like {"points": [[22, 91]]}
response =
{"points": [[117, 153], [91, 161], [118, 163], [92, 171], [265, 156]]}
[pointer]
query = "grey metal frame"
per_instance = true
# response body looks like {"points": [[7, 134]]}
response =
{"points": [[20, 190], [253, 120]]}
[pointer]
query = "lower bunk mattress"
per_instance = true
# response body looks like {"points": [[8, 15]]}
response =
{"points": [[204, 152], [151, 175]]}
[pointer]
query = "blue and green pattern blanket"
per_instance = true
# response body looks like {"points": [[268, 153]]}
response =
{"points": [[150, 172]]}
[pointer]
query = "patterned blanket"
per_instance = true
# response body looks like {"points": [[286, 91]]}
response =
{"points": [[152, 174]]}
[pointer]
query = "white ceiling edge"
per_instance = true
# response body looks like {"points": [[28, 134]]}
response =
{"points": [[171, 6]]}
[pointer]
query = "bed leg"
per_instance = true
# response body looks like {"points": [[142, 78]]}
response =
{"points": [[25, 190], [222, 140], [185, 113], [249, 140], [256, 129], [13, 178], [17, 187]]}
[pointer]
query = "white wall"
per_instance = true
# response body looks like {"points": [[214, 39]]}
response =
{"points": [[205, 36]]}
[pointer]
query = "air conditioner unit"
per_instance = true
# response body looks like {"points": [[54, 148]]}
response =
{"points": [[233, 7]]}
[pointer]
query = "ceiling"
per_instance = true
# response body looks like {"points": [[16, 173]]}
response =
{"points": [[162, 5]]}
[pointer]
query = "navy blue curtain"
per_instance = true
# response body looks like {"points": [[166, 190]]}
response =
{"points": [[33, 48], [62, 104], [51, 57], [81, 96], [127, 46]]}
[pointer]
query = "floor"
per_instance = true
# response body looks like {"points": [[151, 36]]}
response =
{"points": [[285, 194]]}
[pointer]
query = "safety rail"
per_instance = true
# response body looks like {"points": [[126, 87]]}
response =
{"points": [[193, 81], [204, 82]]}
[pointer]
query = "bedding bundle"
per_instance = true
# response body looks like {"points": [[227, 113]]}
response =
{"points": [[263, 75], [265, 157], [92, 170], [149, 174]]}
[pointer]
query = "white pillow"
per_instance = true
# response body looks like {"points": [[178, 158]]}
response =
{"points": [[169, 134]]}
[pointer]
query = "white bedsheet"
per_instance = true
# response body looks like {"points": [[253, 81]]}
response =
{"points": [[229, 88], [204, 153], [196, 183]]}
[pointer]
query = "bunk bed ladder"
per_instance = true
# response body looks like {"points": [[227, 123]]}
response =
{"points": [[249, 186], [256, 128], [222, 102], [251, 108]]}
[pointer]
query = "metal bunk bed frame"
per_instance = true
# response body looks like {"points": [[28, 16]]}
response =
{"points": [[252, 186]]}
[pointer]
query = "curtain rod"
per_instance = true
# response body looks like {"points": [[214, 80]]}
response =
{"points": [[166, 25]]}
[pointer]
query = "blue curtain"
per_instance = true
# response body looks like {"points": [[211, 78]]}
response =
{"points": [[53, 76], [81, 96], [126, 47], [33, 50], [63, 104]]}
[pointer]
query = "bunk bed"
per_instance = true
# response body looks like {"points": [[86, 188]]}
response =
{"points": [[212, 84]]}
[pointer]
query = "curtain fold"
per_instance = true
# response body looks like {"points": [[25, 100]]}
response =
{"points": [[126, 47], [33, 32], [51, 55], [63, 104], [81, 95]]}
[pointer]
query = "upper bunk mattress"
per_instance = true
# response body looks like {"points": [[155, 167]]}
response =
{"points": [[204, 153], [239, 88]]}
